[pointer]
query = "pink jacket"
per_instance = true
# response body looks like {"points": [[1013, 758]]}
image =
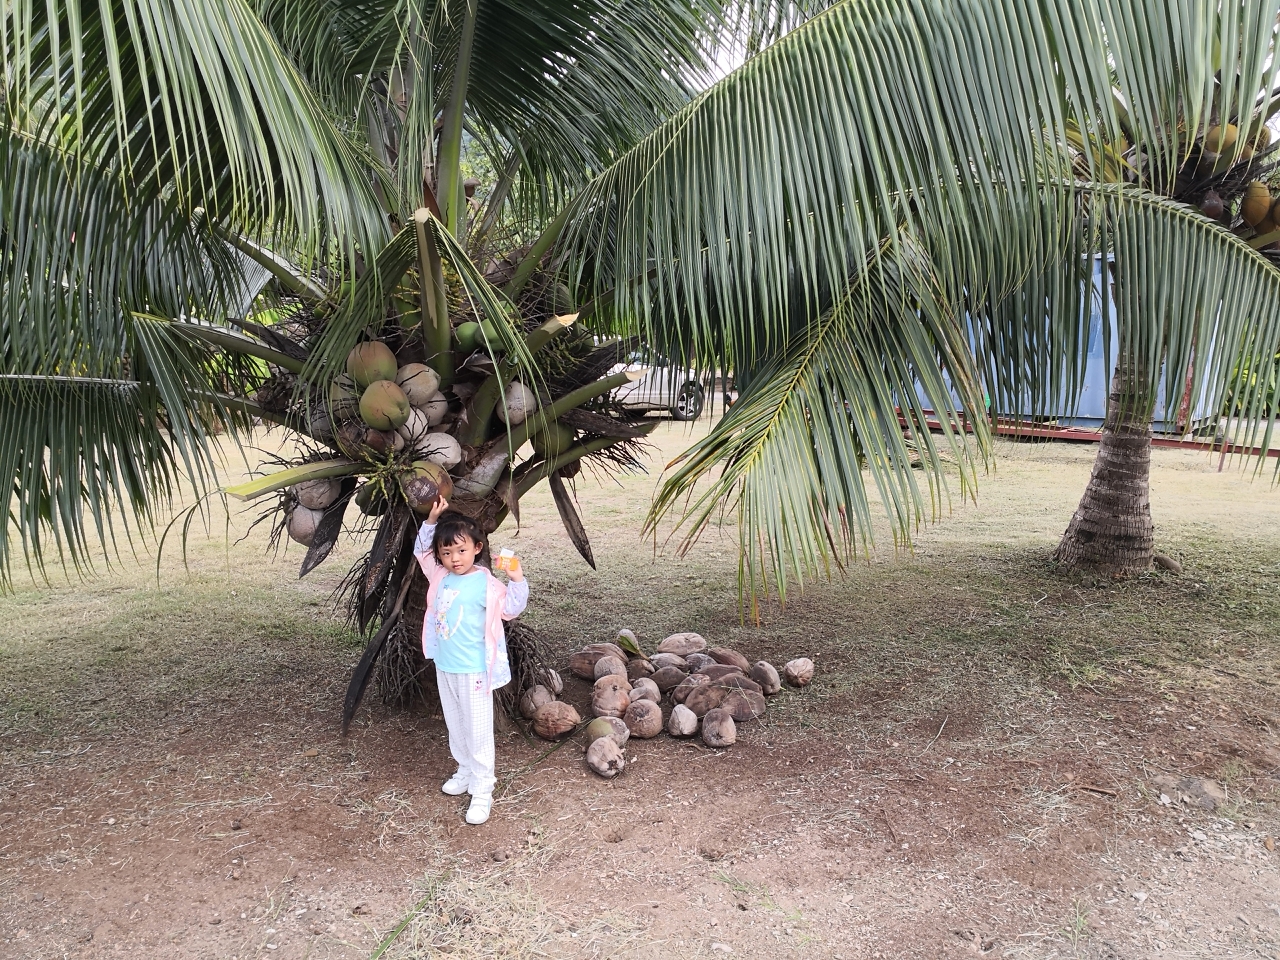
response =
{"points": [[501, 602]]}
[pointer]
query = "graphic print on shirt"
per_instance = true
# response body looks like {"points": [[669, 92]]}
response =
{"points": [[444, 603]]}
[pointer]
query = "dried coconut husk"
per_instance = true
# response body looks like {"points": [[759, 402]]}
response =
{"points": [[718, 671], [605, 757], [731, 657], [667, 677], [697, 661], [552, 680], [555, 720], [611, 696], [766, 675], [799, 672], [744, 705], [660, 660], [706, 697], [645, 689], [682, 690], [533, 698], [738, 682], [683, 644], [644, 719], [610, 666], [638, 668], [608, 649], [583, 663], [683, 722], [719, 729]]}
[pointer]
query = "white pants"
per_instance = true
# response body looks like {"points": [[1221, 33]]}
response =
{"points": [[469, 716]]}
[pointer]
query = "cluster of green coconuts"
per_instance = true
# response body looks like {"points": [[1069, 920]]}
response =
{"points": [[387, 414]]}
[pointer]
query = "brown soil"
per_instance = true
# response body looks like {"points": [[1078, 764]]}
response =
{"points": [[993, 759]]}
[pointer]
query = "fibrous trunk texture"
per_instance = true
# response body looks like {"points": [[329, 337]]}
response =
{"points": [[1111, 530]]}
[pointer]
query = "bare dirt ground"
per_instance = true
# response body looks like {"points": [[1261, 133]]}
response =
{"points": [[993, 759]]}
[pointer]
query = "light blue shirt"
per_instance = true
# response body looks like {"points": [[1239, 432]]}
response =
{"points": [[459, 622]]}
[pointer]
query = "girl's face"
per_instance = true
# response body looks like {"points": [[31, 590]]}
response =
{"points": [[459, 557]]}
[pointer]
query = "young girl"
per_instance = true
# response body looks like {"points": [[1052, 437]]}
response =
{"points": [[463, 634]]}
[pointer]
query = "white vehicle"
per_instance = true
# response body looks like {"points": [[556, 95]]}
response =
{"points": [[665, 387]]}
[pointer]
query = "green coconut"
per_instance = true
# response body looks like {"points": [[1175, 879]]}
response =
{"points": [[371, 361], [467, 336], [552, 440], [1221, 138], [424, 485], [419, 383], [491, 338], [371, 500], [384, 406]]}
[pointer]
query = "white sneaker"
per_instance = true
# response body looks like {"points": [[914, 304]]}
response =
{"points": [[456, 785], [478, 812]]}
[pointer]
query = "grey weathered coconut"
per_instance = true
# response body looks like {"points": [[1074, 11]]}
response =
{"points": [[683, 644], [302, 523], [638, 668], [644, 719], [667, 677], [611, 696], [552, 680], [318, 494], [685, 686], [605, 757], [534, 698], [718, 729], [706, 697], [744, 705], [554, 720], [764, 673], [731, 657], [661, 660], [697, 661], [683, 722], [645, 689], [798, 672], [610, 665]]}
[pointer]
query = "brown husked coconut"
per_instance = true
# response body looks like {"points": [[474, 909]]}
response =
{"points": [[731, 657], [608, 650], [317, 494], [798, 672], [555, 720], [644, 719], [645, 689], [552, 680], [683, 644], [611, 696], [638, 668], [683, 722], [610, 665], [764, 673], [718, 729], [697, 661], [661, 660], [706, 696], [533, 698], [744, 705], [604, 757], [718, 671], [583, 664], [738, 682], [302, 523], [667, 677], [608, 727], [685, 686]]}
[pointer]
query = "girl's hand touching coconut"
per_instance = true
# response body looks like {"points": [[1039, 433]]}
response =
{"points": [[441, 506]]}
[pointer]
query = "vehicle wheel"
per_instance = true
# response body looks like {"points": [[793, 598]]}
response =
{"points": [[688, 405]]}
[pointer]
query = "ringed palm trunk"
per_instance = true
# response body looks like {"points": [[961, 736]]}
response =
{"points": [[1111, 531]]}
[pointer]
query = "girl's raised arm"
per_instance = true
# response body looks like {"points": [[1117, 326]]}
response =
{"points": [[517, 599], [422, 547]]}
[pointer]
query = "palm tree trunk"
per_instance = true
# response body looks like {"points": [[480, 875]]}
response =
{"points": [[1111, 531]]}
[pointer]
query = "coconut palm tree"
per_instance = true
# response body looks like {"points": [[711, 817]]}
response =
{"points": [[897, 198]]}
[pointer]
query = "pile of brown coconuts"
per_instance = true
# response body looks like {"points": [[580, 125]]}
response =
{"points": [[712, 688]]}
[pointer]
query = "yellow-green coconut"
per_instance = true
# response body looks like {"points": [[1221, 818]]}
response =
{"points": [[371, 361], [384, 406], [1256, 203]]}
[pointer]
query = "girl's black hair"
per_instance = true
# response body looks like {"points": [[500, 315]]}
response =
{"points": [[451, 527]]}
